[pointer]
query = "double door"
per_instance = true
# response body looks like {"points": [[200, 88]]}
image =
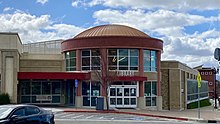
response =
{"points": [[123, 96]]}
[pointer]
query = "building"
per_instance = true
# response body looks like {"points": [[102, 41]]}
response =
{"points": [[179, 86], [76, 71], [208, 73]]}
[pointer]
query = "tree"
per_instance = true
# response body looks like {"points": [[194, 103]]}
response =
{"points": [[99, 67]]}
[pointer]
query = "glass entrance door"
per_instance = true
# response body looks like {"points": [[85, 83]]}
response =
{"points": [[123, 96], [70, 91]]}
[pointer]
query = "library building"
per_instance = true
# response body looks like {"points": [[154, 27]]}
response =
{"points": [[116, 62]]}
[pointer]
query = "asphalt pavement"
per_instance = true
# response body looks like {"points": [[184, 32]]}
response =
{"points": [[207, 115]]}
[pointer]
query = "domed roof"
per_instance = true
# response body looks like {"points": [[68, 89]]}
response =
{"points": [[111, 30]]}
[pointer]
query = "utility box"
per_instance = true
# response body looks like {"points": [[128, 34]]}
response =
{"points": [[100, 103]]}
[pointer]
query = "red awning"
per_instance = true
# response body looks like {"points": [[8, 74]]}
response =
{"points": [[54, 75], [129, 78]]}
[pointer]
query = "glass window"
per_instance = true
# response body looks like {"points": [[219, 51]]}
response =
{"points": [[46, 88], [36, 88], [40, 91], [56, 89], [123, 59], [150, 60], [25, 88], [150, 93], [32, 110], [91, 59], [20, 112], [70, 58], [90, 91]]}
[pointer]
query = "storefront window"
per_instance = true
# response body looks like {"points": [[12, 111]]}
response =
{"points": [[90, 91], [70, 58], [91, 59], [40, 91], [150, 60], [123, 59], [150, 93]]}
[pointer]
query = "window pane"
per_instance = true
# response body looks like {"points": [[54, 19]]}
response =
{"points": [[112, 52], [95, 61], [133, 68], [119, 91], [119, 101], [154, 88], [112, 101], [148, 101], [86, 88], [46, 87], [126, 91], [73, 62], [25, 88], [153, 60], [126, 101], [112, 91], [123, 61], [86, 101], [154, 101], [133, 101], [36, 88], [56, 99], [25, 99], [95, 91], [133, 92], [72, 54], [86, 61], [147, 53], [134, 61], [67, 55], [133, 52], [93, 101], [85, 52], [123, 52], [147, 89], [56, 88], [95, 52], [112, 60]]}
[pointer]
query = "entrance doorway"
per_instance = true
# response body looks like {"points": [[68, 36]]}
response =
{"points": [[123, 96], [70, 92]]}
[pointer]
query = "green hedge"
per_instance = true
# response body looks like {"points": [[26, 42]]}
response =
{"points": [[203, 103], [4, 99]]}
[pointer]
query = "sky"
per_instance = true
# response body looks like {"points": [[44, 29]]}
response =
{"points": [[190, 29]]}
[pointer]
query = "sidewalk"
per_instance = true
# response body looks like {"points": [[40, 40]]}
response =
{"points": [[207, 114]]}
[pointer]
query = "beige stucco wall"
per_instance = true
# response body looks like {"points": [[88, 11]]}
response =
{"points": [[10, 49], [41, 63]]}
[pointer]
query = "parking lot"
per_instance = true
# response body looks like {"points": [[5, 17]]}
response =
{"points": [[109, 116]]}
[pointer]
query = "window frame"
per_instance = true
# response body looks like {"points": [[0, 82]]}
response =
{"points": [[152, 96], [150, 55], [118, 57]]}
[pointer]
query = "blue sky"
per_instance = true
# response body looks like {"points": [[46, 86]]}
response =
{"points": [[190, 29]]}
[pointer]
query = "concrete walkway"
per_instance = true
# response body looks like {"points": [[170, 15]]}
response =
{"points": [[207, 114]]}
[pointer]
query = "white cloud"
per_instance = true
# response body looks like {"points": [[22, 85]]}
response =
{"points": [[76, 3], [165, 4], [33, 28], [164, 22], [42, 1], [7, 9], [194, 49]]}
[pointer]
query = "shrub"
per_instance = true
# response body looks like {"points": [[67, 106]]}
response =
{"points": [[203, 103], [4, 98]]}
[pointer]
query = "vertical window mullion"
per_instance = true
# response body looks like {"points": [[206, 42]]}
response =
{"points": [[90, 88], [117, 59], [129, 55]]}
